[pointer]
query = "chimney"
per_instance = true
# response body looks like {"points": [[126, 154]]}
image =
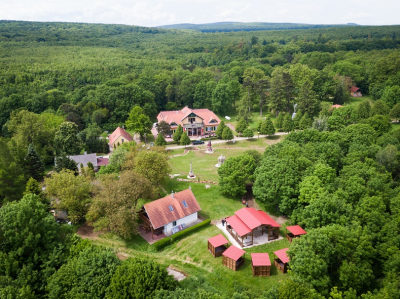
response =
{"points": [[172, 194]]}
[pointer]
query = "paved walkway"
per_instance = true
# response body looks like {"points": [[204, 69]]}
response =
{"points": [[223, 141]]}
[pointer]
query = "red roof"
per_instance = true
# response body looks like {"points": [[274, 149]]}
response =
{"points": [[233, 253], [281, 254], [336, 106], [117, 133], [266, 219], [249, 217], [178, 115], [260, 259], [238, 225], [102, 161], [296, 230], [354, 89], [159, 211], [218, 241]]}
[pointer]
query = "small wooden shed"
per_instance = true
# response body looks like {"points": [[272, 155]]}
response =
{"points": [[294, 232], [260, 264], [217, 245], [282, 260], [233, 257]]}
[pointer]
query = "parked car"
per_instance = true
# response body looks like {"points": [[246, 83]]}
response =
{"points": [[197, 142]]}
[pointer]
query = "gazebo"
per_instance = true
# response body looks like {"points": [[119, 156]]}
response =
{"points": [[233, 257], [217, 245], [282, 260], [260, 264], [294, 232], [247, 221]]}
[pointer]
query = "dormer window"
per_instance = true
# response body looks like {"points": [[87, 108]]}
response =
{"points": [[213, 121], [170, 208], [173, 124], [184, 204]]}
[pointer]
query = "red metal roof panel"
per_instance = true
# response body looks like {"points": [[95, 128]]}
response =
{"points": [[296, 230], [102, 161], [217, 241], [238, 225], [354, 89], [266, 219], [281, 254], [233, 253], [260, 259], [248, 217]]}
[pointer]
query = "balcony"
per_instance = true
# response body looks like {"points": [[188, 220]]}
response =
{"points": [[193, 125]]}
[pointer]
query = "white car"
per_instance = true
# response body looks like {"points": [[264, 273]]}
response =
{"points": [[227, 117]]}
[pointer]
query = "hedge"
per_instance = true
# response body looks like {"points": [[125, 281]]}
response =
{"points": [[179, 235]]}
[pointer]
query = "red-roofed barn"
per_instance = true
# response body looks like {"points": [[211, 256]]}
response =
{"points": [[217, 245], [260, 264], [195, 122], [247, 221], [233, 257], [118, 137], [355, 92], [171, 213]]}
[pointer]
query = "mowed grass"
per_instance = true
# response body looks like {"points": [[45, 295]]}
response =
{"points": [[204, 164]]}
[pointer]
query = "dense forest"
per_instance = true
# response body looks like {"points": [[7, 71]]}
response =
{"points": [[337, 173]]}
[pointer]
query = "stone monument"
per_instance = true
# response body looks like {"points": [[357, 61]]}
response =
{"points": [[221, 160], [209, 147], [191, 173]]}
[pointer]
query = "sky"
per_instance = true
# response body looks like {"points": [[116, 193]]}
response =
{"points": [[156, 13]]}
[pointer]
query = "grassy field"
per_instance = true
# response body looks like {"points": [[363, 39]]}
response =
{"points": [[204, 164]]}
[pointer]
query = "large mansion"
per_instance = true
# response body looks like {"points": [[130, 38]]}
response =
{"points": [[195, 122]]}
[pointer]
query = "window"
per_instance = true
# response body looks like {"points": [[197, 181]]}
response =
{"points": [[123, 140], [173, 223], [173, 124], [192, 119], [213, 121], [185, 204], [208, 129], [170, 208]]}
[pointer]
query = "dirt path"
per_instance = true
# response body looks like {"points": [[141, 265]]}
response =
{"points": [[87, 232]]}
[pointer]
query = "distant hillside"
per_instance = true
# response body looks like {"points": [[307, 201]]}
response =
{"points": [[237, 26]]}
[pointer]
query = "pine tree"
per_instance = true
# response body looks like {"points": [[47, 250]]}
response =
{"points": [[227, 134], [178, 134], [33, 165], [248, 133], [160, 140], [63, 162], [32, 186], [82, 169], [259, 126], [185, 140], [305, 122], [220, 129], [241, 126], [288, 124], [90, 166], [279, 121], [267, 127]]}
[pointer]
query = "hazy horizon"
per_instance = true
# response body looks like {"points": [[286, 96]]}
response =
{"points": [[154, 13]]}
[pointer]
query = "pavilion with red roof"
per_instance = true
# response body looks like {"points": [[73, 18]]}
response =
{"points": [[294, 232], [247, 222], [233, 257], [282, 260], [260, 264], [217, 245]]}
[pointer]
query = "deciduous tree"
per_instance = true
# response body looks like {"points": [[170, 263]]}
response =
{"points": [[66, 139], [138, 121]]}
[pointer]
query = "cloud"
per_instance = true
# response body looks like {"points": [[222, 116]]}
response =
{"points": [[156, 12]]}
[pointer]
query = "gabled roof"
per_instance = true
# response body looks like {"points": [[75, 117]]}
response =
{"points": [[296, 230], [84, 159], [117, 133], [159, 211], [177, 116], [260, 259], [254, 218], [354, 89], [217, 241], [281, 254], [233, 253], [238, 225]]}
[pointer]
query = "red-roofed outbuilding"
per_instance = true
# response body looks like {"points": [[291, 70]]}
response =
{"points": [[294, 231], [282, 260], [260, 264], [246, 221], [233, 257], [217, 245], [355, 91]]}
